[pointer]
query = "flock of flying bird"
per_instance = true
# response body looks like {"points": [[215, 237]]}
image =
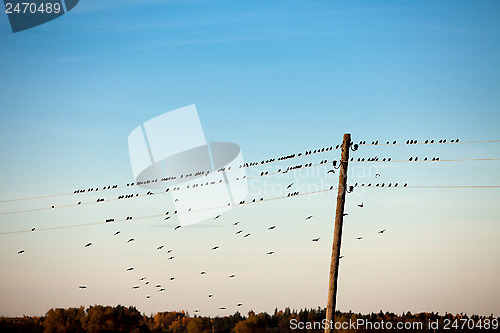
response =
{"points": [[159, 287]]}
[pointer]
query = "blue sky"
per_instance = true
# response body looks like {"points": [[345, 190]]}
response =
{"points": [[275, 77]]}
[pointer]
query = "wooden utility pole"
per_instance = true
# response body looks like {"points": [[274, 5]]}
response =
{"points": [[337, 234]]}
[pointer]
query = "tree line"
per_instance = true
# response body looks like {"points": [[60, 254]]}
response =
{"points": [[100, 318]]}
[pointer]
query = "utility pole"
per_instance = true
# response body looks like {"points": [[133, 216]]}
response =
{"points": [[337, 234]]}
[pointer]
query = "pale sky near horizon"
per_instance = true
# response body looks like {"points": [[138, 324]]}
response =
{"points": [[276, 78]]}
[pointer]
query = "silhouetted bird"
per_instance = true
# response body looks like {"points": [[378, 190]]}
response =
{"points": [[142, 278], [377, 175], [246, 235], [172, 279], [315, 239], [239, 304], [203, 272], [290, 185], [210, 295], [411, 159], [169, 251], [222, 308], [130, 269], [148, 296], [236, 223], [215, 218], [359, 238], [170, 258], [345, 214], [83, 287], [88, 244], [215, 248], [135, 287], [32, 229], [130, 240], [159, 247], [271, 227], [381, 231], [161, 289], [19, 252], [360, 205], [341, 257], [270, 252], [330, 171], [232, 276], [239, 231], [116, 233], [309, 217], [177, 227]]}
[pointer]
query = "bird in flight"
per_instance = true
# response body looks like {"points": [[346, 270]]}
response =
{"points": [[177, 227], [315, 239], [246, 235], [88, 244], [377, 175], [289, 185], [215, 218], [130, 269], [161, 289], [270, 252], [271, 227], [238, 232], [240, 304], [381, 231], [159, 247], [130, 240], [341, 257], [158, 286], [116, 233], [83, 287], [169, 251], [331, 171], [215, 248], [359, 238], [135, 287], [172, 278], [345, 214], [222, 308], [203, 272], [309, 217], [236, 223], [232, 276], [210, 295], [170, 258], [142, 279], [360, 205]]}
